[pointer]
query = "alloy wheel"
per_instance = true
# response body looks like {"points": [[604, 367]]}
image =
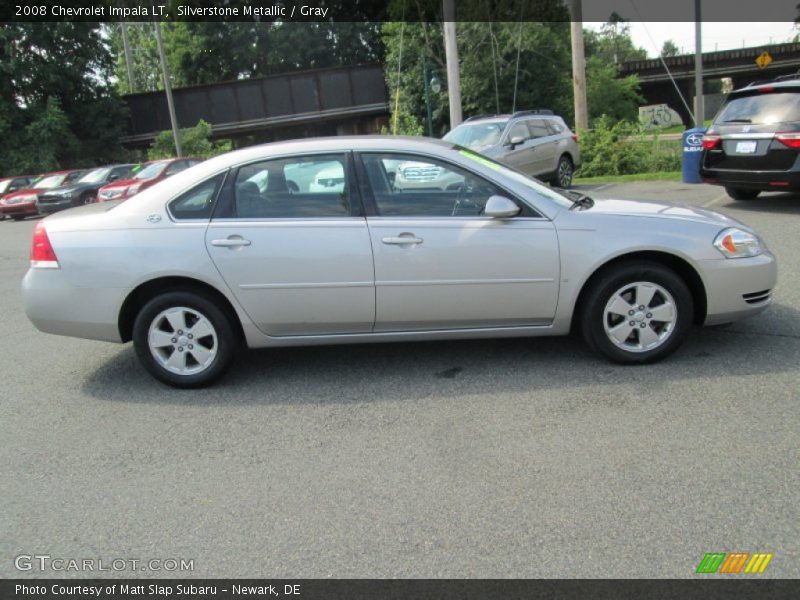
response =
{"points": [[640, 316], [182, 340]]}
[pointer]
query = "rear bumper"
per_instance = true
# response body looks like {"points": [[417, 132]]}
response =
{"points": [[56, 306], [738, 287], [752, 180]]}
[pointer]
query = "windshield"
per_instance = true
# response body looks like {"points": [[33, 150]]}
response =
{"points": [[95, 175], [529, 182], [477, 135], [151, 170], [51, 182], [763, 109]]}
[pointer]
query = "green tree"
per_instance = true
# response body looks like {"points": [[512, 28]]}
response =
{"points": [[487, 53], [55, 70], [48, 140], [608, 94], [669, 49], [195, 141]]}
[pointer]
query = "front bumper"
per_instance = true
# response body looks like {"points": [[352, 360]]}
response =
{"points": [[23, 208], [738, 287], [48, 208], [54, 305]]}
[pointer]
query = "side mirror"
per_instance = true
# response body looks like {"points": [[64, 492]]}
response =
{"points": [[516, 141], [500, 207], [113, 177]]}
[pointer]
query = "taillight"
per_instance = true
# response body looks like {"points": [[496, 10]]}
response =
{"points": [[790, 139], [575, 138], [711, 141], [42, 254]]}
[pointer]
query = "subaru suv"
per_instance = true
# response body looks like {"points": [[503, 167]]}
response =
{"points": [[536, 142], [753, 145]]}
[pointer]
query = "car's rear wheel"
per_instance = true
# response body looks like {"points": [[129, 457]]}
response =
{"points": [[184, 339], [18, 217], [564, 172], [742, 194], [637, 313]]}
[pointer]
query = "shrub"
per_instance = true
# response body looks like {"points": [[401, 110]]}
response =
{"points": [[624, 148], [195, 141]]}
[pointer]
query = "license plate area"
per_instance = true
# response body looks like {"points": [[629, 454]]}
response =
{"points": [[746, 147]]}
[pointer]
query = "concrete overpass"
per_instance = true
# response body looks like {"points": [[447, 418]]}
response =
{"points": [[337, 101], [739, 65]]}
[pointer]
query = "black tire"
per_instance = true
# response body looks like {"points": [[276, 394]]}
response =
{"points": [[603, 289], [564, 173], [87, 199], [224, 349], [18, 217], [742, 194]]}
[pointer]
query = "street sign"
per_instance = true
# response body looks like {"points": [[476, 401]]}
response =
{"points": [[763, 60]]}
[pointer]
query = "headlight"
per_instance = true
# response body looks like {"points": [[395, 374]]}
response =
{"points": [[735, 243]]}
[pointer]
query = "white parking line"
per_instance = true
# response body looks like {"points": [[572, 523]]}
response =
{"points": [[715, 200]]}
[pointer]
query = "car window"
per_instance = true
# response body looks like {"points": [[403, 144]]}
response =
{"points": [[518, 129], [52, 181], [424, 187], [151, 170], [121, 172], [555, 127], [477, 135], [538, 128], [198, 201], [74, 176], [296, 187], [762, 109], [95, 175], [176, 167]]}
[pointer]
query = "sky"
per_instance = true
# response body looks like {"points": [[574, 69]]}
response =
{"points": [[715, 36]]}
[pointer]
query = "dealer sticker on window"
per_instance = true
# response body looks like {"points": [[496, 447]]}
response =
{"points": [[746, 147]]}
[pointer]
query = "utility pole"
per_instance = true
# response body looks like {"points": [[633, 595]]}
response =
{"points": [[427, 88], [578, 66], [127, 49], [699, 105], [168, 89], [451, 51]]}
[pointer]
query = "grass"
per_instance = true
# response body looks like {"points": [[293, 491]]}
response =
{"points": [[662, 176]]}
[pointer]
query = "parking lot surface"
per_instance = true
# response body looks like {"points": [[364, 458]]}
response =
{"points": [[501, 458]]}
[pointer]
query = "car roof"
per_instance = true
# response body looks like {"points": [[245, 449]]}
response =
{"points": [[787, 84]]}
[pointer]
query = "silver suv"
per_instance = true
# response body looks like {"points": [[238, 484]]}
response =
{"points": [[536, 142]]}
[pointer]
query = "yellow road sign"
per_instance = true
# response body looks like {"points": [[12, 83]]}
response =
{"points": [[763, 60]]}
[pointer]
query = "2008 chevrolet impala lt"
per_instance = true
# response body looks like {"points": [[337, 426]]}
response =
{"points": [[377, 239]]}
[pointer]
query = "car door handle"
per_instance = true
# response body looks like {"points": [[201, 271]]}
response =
{"points": [[403, 239], [233, 241]]}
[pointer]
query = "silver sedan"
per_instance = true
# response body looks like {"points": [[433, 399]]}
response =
{"points": [[316, 242]]}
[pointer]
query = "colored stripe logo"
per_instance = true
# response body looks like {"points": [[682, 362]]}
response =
{"points": [[733, 563]]}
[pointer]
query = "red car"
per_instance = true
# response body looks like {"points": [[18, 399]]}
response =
{"points": [[22, 203], [150, 174], [9, 185]]}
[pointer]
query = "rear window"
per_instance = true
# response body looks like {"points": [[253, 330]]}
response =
{"points": [[478, 135], [762, 109]]}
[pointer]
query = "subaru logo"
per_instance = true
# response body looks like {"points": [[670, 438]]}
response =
{"points": [[694, 139]]}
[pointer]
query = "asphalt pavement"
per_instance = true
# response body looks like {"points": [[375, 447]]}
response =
{"points": [[506, 458]]}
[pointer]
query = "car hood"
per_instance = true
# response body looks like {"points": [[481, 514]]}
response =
{"points": [[72, 189], [661, 210], [25, 192]]}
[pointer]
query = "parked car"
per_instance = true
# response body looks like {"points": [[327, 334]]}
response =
{"points": [[208, 260], [82, 191], [22, 203], [754, 141], [9, 185], [536, 142], [150, 174]]}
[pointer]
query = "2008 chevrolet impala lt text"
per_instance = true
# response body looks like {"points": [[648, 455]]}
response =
{"points": [[377, 239]]}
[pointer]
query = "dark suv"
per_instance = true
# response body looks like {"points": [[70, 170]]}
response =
{"points": [[753, 144]]}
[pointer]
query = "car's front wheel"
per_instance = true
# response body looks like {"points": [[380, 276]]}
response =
{"points": [[637, 313], [742, 194], [184, 339]]}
